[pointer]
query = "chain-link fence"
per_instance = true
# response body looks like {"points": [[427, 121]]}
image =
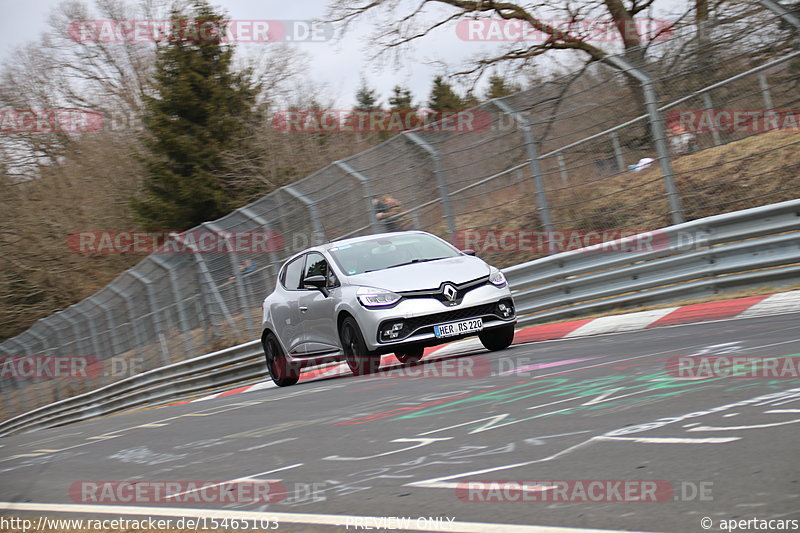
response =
{"points": [[630, 144]]}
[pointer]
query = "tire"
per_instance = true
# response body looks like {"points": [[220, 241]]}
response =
{"points": [[497, 338], [410, 355], [360, 360], [282, 372]]}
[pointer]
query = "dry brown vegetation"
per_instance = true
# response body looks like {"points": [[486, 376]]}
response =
{"points": [[754, 171]]}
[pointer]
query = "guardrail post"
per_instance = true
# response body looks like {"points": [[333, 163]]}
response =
{"points": [[211, 287], [151, 299], [275, 263], [536, 169], [367, 189], [316, 220], [657, 130], [176, 296], [618, 152], [444, 194]]}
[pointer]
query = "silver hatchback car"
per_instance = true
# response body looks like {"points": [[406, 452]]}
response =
{"points": [[359, 298]]}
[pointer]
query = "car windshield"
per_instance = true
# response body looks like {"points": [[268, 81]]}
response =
{"points": [[389, 252]]}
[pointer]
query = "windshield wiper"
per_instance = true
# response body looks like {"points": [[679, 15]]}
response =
{"points": [[407, 263]]}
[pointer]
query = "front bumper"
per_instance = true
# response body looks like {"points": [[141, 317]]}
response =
{"points": [[419, 315]]}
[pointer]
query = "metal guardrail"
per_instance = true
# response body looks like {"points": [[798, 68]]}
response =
{"points": [[694, 259], [740, 249]]}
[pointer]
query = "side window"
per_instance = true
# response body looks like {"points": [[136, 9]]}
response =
{"points": [[315, 265], [292, 273], [333, 281]]}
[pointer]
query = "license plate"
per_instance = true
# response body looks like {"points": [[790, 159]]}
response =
{"points": [[458, 328]]}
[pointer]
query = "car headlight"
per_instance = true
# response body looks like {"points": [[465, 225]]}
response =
{"points": [[373, 297], [496, 277]]}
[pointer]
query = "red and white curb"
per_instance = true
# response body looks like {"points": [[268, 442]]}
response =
{"points": [[751, 306]]}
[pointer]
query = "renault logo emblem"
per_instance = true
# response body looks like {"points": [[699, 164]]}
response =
{"points": [[450, 292]]}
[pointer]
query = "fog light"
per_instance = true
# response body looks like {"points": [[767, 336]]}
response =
{"points": [[506, 309], [392, 331]]}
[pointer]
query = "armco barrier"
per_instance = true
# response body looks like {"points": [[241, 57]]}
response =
{"points": [[741, 249]]}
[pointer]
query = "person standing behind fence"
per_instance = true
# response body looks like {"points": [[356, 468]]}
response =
{"points": [[390, 213]]}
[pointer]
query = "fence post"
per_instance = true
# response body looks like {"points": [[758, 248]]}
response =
{"points": [[5, 385], [709, 105], [151, 299], [274, 262], [92, 330], [562, 169], [95, 338], [36, 384], [209, 283], [618, 152], [657, 129], [365, 186], [78, 342], [112, 327], [764, 84], [138, 342], [444, 194], [316, 221], [782, 12], [241, 292], [20, 383], [26, 398], [176, 296], [536, 169]]}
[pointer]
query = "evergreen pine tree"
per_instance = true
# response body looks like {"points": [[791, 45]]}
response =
{"points": [[197, 110], [443, 97]]}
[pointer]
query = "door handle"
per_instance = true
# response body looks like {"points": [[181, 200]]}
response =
{"points": [[303, 308]]}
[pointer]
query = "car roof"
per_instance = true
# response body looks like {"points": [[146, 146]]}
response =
{"points": [[362, 238]]}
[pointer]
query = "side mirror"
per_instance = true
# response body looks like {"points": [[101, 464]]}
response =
{"points": [[468, 251], [316, 282]]}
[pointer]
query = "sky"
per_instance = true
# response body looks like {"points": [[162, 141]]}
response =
{"points": [[338, 65]]}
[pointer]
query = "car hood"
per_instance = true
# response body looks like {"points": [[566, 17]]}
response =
{"points": [[421, 276]]}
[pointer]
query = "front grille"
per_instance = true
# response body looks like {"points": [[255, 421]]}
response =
{"points": [[438, 293], [425, 323]]}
